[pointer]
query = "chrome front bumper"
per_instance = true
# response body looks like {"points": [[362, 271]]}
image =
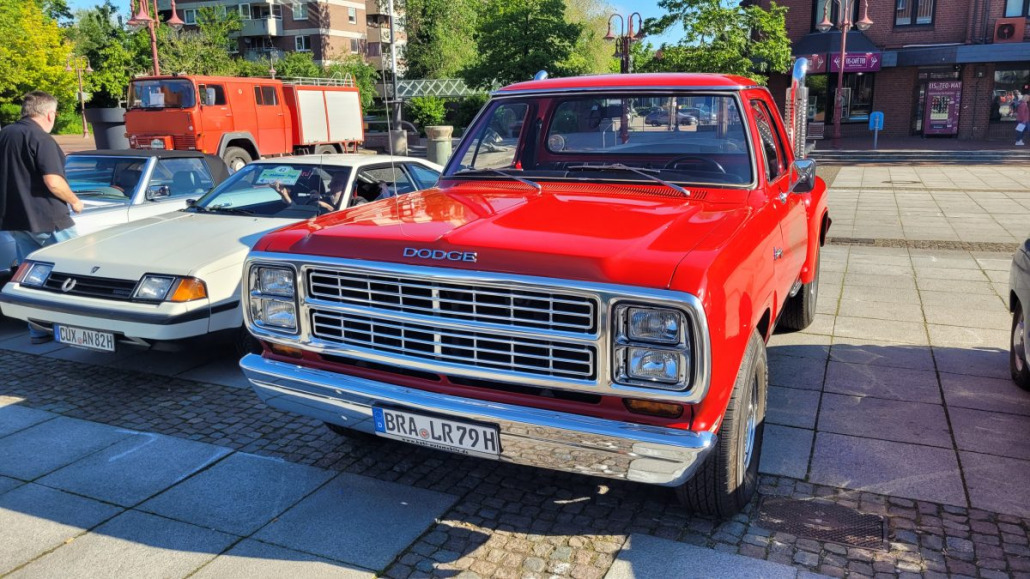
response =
{"points": [[529, 436]]}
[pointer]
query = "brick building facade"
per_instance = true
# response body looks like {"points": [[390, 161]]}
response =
{"points": [[945, 68]]}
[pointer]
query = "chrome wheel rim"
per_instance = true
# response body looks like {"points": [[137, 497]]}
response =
{"points": [[751, 426], [1019, 344]]}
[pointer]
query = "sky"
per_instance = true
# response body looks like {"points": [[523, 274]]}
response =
{"points": [[647, 9]]}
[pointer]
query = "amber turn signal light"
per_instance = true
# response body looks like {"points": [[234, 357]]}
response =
{"points": [[286, 350], [652, 408], [189, 289], [20, 273]]}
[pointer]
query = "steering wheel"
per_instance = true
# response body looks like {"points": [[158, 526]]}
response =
{"points": [[703, 160]]}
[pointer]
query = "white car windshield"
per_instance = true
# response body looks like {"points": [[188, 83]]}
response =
{"points": [[282, 190], [114, 178]]}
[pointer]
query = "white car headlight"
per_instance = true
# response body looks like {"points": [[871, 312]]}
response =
{"points": [[652, 347], [153, 288], [273, 313], [34, 274], [273, 281]]}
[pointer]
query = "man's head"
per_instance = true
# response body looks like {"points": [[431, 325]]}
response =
{"points": [[41, 107]]}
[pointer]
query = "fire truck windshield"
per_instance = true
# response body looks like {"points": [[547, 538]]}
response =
{"points": [[162, 93]]}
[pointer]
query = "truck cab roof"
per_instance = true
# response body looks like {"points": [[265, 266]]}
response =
{"points": [[679, 81]]}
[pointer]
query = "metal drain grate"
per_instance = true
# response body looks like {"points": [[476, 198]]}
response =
{"points": [[823, 522], [985, 246]]}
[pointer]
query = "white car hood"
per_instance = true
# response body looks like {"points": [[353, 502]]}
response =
{"points": [[177, 243]]}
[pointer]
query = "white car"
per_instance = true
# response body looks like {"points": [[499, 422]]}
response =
{"points": [[177, 276], [119, 186]]}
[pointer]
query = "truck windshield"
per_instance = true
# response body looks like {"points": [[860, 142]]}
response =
{"points": [[170, 93], [683, 137]]}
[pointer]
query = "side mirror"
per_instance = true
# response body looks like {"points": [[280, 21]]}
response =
{"points": [[802, 176], [155, 192]]}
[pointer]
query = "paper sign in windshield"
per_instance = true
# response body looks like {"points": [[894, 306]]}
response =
{"points": [[283, 174]]}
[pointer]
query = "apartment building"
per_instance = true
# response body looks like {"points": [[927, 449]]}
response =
{"points": [[328, 29], [948, 68]]}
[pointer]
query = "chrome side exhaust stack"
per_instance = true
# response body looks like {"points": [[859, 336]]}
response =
{"points": [[795, 114]]}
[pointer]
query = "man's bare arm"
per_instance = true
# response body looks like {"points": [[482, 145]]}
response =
{"points": [[59, 187]]}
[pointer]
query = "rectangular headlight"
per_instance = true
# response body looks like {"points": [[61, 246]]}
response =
{"points": [[652, 365], [273, 313], [153, 288], [34, 274], [660, 326], [273, 281]]}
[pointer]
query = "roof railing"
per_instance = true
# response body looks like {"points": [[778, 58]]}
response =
{"points": [[335, 80]]}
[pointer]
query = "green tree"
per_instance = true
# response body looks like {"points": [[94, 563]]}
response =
{"points": [[426, 111], [99, 36], [33, 55], [517, 38], [441, 37], [591, 53], [201, 51], [723, 36], [364, 74]]}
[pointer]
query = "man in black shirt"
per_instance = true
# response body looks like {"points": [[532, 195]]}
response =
{"points": [[34, 195]]}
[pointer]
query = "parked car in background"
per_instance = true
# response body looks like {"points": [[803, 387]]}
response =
{"points": [[176, 276], [119, 186], [1019, 301], [660, 116]]}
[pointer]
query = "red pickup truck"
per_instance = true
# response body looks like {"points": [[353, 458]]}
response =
{"points": [[583, 291]]}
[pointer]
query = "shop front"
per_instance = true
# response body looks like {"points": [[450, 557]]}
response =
{"points": [[862, 60]]}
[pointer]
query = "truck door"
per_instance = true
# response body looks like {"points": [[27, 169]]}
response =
{"points": [[793, 220], [270, 122], [215, 115]]}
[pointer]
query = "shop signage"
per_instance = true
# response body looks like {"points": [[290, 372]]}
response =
{"points": [[816, 63], [868, 62], [942, 107]]}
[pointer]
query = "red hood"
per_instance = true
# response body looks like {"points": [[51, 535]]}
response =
{"points": [[631, 236]]}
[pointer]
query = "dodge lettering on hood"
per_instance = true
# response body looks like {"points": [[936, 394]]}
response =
{"points": [[583, 291]]}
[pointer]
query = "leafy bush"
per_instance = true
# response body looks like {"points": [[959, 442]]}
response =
{"points": [[426, 111], [467, 109], [566, 122]]}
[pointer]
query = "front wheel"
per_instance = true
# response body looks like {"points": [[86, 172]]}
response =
{"points": [[235, 158], [1017, 353], [728, 479], [799, 310]]}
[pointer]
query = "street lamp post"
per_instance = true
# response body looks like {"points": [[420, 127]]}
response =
{"points": [[142, 18], [79, 69], [844, 25], [625, 38]]}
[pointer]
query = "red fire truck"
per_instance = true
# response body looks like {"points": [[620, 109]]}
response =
{"points": [[241, 119]]}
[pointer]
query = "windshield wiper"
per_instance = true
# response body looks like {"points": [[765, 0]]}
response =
{"points": [[227, 210], [504, 174], [642, 172]]}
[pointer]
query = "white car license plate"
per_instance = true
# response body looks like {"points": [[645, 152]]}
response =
{"points": [[82, 338], [438, 433]]}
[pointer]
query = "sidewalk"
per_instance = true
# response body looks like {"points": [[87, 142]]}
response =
{"points": [[75, 143]]}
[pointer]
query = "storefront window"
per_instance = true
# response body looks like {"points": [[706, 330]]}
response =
{"points": [[858, 97], [1009, 85], [1017, 8]]}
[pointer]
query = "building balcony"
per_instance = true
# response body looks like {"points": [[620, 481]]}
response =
{"points": [[262, 27], [263, 53]]}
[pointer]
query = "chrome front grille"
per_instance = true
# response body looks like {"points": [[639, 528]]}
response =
{"points": [[521, 308], [496, 351], [90, 286]]}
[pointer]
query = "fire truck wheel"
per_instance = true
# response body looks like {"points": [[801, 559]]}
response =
{"points": [[236, 158], [325, 150]]}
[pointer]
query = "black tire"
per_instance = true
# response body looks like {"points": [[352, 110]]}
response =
{"points": [[799, 311], [244, 343], [1017, 351], [235, 158], [728, 479], [325, 150]]}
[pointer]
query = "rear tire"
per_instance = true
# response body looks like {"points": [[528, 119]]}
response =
{"points": [[1017, 352], [235, 158], [325, 150], [728, 479], [799, 311]]}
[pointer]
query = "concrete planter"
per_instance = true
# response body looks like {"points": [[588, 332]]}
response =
{"points": [[438, 149], [108, 127]]}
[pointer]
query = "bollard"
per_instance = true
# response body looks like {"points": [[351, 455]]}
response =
{"points": [[439, 149], [399, 142]]}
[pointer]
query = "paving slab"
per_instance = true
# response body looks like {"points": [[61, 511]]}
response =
{"points": [[958, 337], [986, 362], [785, 451], [7, 484], [134, 544], [881, 353], [896, 420], [997, 483], [34, 519], [14, 418], [168, 363], [991, 432], [792, 407], [50, 445], [21, 343], [994, 394], [894, 331], [798, 345], [238, 495], [644, 556], [880, 310], [881, 381], [225, 371], [912, 471], [135, 468], [256, 560], [792, 372], [358, 520]]}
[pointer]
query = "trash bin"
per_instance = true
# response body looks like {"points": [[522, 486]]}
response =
{"points": [[108, 127], [439, 149], [399, 138]]}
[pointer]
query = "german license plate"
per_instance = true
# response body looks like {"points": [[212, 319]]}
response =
{"points": [[438, 433], [82, 338]]}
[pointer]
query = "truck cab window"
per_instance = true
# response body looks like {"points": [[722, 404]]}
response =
{"points": [[772, 150], [212, 94], [495, 145], [267, 96]]}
